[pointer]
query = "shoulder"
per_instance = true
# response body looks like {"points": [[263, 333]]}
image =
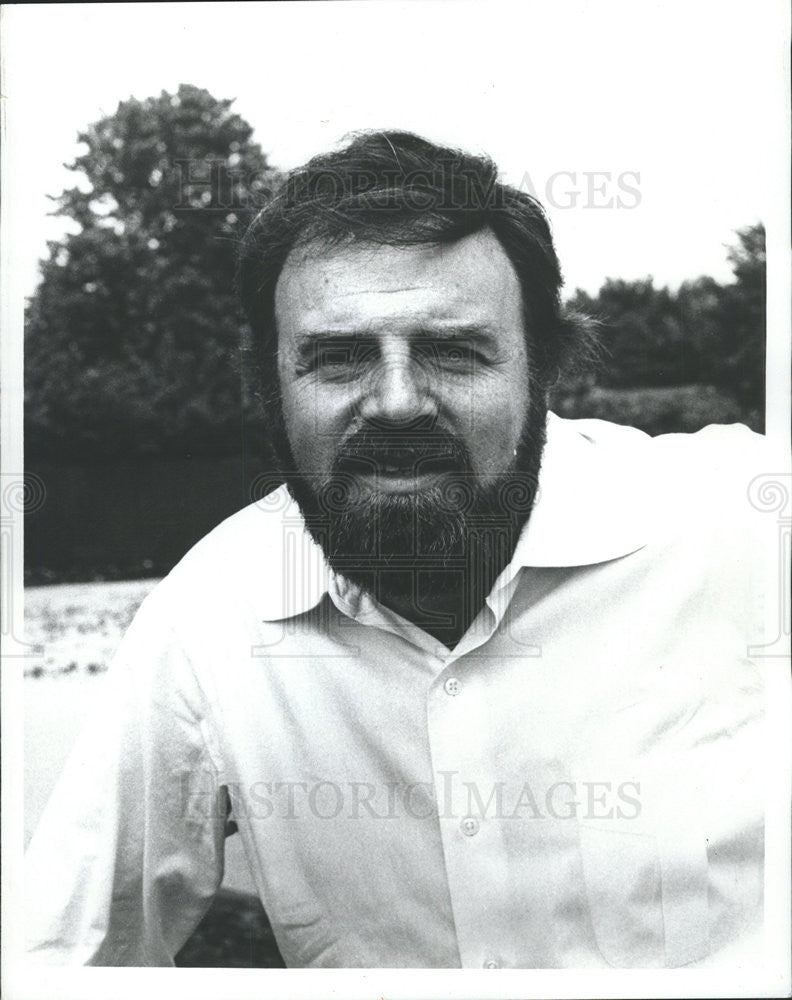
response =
{"points": [[240, 567], [705, 481], [713, 438], [728, 450], [714, 470]]}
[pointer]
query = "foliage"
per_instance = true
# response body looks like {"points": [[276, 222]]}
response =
{"points": [[703, 335], [742, 314], [665, 410], [133, 333]]}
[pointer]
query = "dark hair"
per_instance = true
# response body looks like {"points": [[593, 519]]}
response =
{"points": [[398, 189]]}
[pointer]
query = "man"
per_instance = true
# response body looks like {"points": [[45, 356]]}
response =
{"points": [[473, 681]]}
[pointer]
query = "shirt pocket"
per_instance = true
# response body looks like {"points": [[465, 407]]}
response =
{"points": [[646, 885]]}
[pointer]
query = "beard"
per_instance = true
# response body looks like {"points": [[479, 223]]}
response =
{"points": [[458, 533]]}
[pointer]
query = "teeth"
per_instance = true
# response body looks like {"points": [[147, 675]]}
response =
{"points": [[397, 470]]}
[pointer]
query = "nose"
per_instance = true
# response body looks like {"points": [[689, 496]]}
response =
{"points": [[398, 392]]}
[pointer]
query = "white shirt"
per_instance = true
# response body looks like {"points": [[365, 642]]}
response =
{"points": [[579, 783]]}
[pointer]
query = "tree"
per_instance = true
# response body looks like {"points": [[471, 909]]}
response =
{"points": [[706, 336], [133, 336], [743, 317], [643, 340]]}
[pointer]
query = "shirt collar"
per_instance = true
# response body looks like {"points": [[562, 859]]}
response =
{"points": [[590, 507], [588, 510]]}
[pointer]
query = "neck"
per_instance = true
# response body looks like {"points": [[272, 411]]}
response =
{"points": [[443, 601], [445, 611]]}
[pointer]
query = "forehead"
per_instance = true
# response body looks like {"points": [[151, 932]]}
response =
{"points": [[364, 286]]}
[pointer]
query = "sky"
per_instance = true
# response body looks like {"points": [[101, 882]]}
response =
{"points": [[650, 131]]}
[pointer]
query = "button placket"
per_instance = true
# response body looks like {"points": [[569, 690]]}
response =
{"points": [[461, 735]]}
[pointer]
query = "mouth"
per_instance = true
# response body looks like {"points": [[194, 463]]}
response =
{"points": [[398, 470], [394, 480]]}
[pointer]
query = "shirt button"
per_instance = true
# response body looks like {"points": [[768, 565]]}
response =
{"points": [[452, 686], [491, 964], [470, 826]]}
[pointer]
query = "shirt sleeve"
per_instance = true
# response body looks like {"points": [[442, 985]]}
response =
{"points": [[129, 851]]}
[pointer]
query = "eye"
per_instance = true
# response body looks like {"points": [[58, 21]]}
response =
{"points": [[452, 354], [336, 358]]}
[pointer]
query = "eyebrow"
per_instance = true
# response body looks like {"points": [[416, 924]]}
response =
{"points": [[480, 333]]}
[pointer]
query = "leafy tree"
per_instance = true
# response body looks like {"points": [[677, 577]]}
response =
{"points": [[743, 317], [643, 340], [133, 335], [705, 335]]}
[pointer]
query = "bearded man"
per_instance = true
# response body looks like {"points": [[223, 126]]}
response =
{"points": [[473, 681]]}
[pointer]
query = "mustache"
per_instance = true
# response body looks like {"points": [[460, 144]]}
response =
{"points": [[370, 449]]}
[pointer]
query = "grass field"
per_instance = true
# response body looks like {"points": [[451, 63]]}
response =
{"points": [[76, 629], [78, 626]]}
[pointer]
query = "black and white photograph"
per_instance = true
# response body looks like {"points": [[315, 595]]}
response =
{"points": [[396, 499]]}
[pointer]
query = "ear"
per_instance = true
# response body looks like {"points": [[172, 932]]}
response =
{"points": [[579, 345]]}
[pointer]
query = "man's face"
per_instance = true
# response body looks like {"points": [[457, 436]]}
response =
{"points": [[387, 337], [404, 377]]}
